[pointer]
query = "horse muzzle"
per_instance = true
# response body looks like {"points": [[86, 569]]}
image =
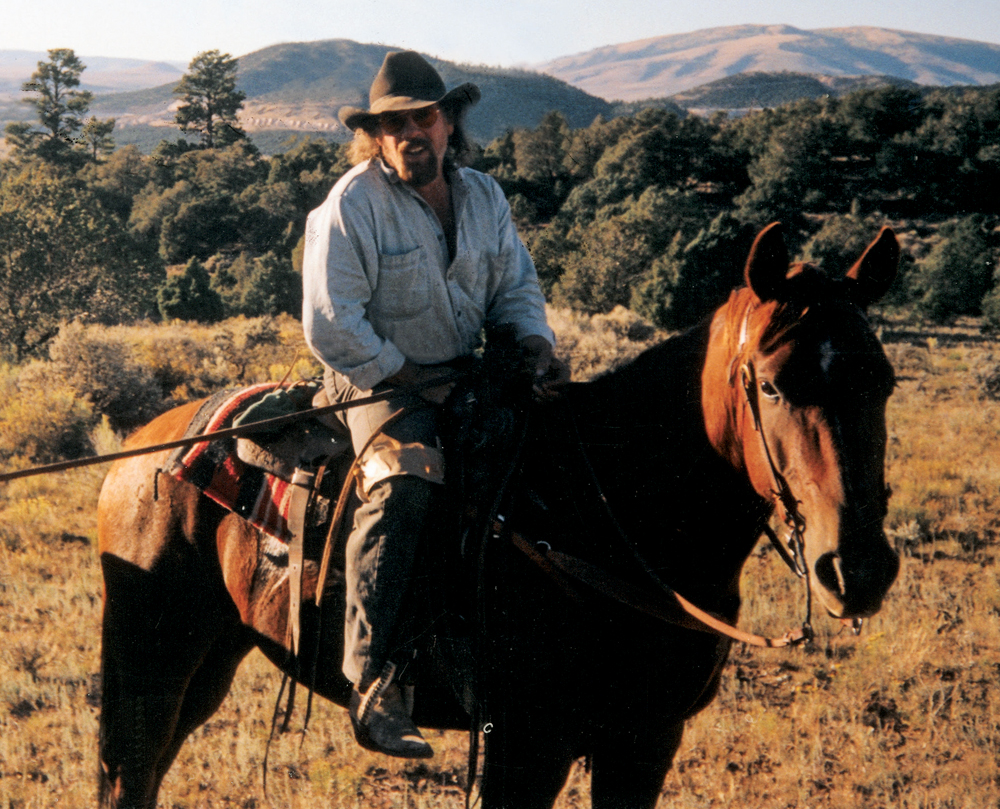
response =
{"points": [[853, 585]]}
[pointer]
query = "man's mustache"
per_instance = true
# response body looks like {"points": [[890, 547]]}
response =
{"points": [[415, 143]]}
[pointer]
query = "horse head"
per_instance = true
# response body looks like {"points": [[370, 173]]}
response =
{"points": [[794, 394]]}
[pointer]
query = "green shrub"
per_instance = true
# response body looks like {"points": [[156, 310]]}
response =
{"points": [[958, 272], [102, 370], [686, 283], [265, 285], [189, 296], [840, 242]]}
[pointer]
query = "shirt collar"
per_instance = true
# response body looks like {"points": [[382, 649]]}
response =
{"points": [[388, 171]]}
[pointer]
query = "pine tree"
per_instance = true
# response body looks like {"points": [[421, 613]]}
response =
{"points": [[211, 101], [59, 105], [96, 137]]}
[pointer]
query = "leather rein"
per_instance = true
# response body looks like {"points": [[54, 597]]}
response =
{"points": [[655, 597]]}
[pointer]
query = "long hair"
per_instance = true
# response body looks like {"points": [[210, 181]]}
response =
{"points": [[461, 150]]}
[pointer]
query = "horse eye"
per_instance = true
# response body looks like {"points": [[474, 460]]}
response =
{"points": [[769, 390]]}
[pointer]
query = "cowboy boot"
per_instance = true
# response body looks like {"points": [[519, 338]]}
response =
{"points": [[382, 721]]}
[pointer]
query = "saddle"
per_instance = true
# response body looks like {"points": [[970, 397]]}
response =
{"points": [[288, 481], [253, 475]]}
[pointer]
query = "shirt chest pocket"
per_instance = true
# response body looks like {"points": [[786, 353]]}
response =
{"points": [[403, 288]]}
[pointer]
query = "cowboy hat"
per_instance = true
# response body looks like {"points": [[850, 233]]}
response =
{"points": [[406, 81]]}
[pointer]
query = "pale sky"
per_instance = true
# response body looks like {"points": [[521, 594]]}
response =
{"points": [[490, 32]]}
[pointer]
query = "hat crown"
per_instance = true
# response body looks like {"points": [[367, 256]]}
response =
{"points": [[404, 82], [406, 74]]}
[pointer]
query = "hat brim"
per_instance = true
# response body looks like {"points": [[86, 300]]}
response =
{"points": [[465, 95]]}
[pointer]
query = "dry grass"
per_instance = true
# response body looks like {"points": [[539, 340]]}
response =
{"points": [[906, 715], [592, 345]]}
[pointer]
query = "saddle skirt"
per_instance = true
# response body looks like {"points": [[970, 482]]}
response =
{"points": [[251, 476]]}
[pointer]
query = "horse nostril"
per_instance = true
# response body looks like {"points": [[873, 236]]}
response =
{"points": [[830, 572], [859, 582], [838, 569]]}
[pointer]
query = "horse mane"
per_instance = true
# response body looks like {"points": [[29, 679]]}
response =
{"points": [[808, 289]]}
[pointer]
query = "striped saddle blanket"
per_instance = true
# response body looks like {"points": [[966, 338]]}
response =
{"points": [[259, 496]]}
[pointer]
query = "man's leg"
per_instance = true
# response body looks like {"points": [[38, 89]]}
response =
{"points": [[380, 556]]}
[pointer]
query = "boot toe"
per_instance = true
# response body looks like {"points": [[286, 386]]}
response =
{"points": [[384, 726]]}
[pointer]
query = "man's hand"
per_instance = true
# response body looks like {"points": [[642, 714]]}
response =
{"points": [[550, 372], [412, 374]]}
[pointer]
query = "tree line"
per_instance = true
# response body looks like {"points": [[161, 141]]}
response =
{"points": [[652, 211]]}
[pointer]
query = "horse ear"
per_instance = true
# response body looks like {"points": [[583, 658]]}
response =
{"points": [[876, 269], [767, 263]]}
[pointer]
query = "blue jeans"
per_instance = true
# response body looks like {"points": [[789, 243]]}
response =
{"points": [[382, 547]]}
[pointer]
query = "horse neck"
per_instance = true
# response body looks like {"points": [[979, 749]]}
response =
{"points": [[635, 423], [643, 433], [730, 342], [634, 399]]}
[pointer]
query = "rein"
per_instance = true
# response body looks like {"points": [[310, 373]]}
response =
{"points": [[657, 598], [230, 432], [673, 609], [662, 601]]}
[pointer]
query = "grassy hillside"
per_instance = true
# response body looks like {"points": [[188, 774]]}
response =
{"points": [[760, 89], [906, 715], [301, 86]]}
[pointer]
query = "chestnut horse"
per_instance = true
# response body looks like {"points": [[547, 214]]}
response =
{"points": [[658, 470]]}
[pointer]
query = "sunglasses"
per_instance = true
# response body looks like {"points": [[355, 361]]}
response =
{"points": [[392, 123]]}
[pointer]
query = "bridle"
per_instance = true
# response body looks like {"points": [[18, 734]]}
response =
{"points": [[661, 600], [794, 553]]}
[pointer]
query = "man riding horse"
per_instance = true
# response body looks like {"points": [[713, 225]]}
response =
{"points": [[406, 261]]}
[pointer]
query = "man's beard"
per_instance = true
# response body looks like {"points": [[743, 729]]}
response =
{"points": [[419, 170]]}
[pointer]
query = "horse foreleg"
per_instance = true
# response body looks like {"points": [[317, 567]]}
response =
{"points": [[525, 767], [628, 772]]}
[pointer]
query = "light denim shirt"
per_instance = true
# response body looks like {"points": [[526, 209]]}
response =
{"points": [[378, 286]]}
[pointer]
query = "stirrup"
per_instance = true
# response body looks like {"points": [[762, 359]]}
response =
{"points": [[381, 720]]}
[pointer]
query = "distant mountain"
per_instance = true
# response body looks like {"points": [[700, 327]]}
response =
{"points": [[756, 90], [664, 66], [298, 88], [103, 74]]}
